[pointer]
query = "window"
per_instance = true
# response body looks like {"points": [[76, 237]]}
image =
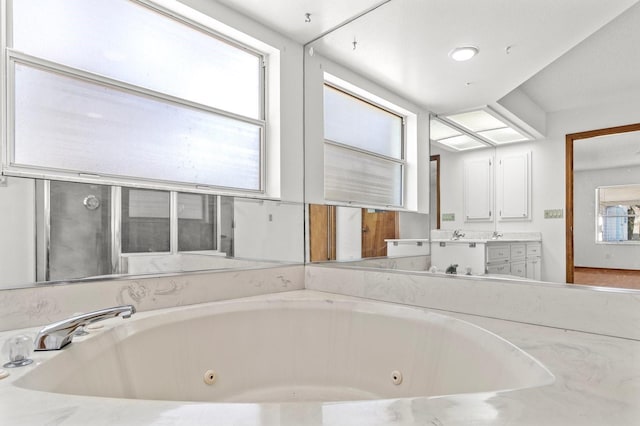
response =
{"points": [[618, 213], [197, 215], [120, 89], [146, 221], [364, 150], [87, 230]]}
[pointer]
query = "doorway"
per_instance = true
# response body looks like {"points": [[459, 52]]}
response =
{"points": [[597, 271], [434, 191]]}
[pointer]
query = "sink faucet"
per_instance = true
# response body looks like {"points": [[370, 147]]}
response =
{"points": [[457, 234], [59, 334], [496, 235]]}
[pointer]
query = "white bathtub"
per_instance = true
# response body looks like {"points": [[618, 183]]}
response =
{"points": [[299, 346]]}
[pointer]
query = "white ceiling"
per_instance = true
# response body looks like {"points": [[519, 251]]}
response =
{"points": [[604, 68], [288, 16], [403, 45]]}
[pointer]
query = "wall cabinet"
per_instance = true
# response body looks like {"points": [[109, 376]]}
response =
{"points": [[512, 190], [478, 190], [514, 187]]}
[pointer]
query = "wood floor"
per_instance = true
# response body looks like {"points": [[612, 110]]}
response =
{"points": [[621, 278]]}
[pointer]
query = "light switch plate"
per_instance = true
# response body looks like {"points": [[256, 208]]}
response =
{"points": [[554, 214], [448, 217]]}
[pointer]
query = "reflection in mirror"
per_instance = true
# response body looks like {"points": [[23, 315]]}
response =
{"points": [[545, 101], [618, 213], [59, 231], [467, 189], [604, 179], [434, 191], [356, 236]]}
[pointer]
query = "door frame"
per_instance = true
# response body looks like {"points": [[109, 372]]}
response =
{"points": [[436, 158], [569, 139]]}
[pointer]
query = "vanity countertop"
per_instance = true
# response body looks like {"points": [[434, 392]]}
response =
{"points": [[597, 383], [407, 240], [485, 240], [443, 235]]}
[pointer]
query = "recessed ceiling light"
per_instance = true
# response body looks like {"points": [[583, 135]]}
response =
{"points": [[463, 53]]}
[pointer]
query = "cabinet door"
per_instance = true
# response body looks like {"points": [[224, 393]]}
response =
{"points": [[534, 268], [534, 249], [498, 253], [478, 190], [514, 184], [519, 269], [504, 268], [518, 251]]}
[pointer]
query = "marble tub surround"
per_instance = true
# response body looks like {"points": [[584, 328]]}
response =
{"points": [[597, 383], [580, 308], [405, 263], [26, 307], [484, 236]]}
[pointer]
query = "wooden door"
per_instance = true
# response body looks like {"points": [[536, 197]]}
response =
{"points": [[322, 233], [377, 225]]}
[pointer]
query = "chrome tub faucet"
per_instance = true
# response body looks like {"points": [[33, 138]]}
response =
{"points": [[457, 234], [59, 334]]}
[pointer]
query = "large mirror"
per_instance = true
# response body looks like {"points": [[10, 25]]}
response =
{"points": [[163, 142], [55, 231], [396, 55], [402, 47]]}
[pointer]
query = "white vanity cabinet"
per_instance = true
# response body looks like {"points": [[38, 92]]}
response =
{"points": [[534, 261], [518, 258], [497, 258], [465, 254]]}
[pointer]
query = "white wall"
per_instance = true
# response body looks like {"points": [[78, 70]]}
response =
{"points": [[413, 225], [586, 251], [268, 230], [548, 178]]}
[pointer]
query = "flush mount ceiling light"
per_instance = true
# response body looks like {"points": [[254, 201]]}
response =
{"points": [[488, 125], [481, 128], [453, 138], [463, 53]]}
